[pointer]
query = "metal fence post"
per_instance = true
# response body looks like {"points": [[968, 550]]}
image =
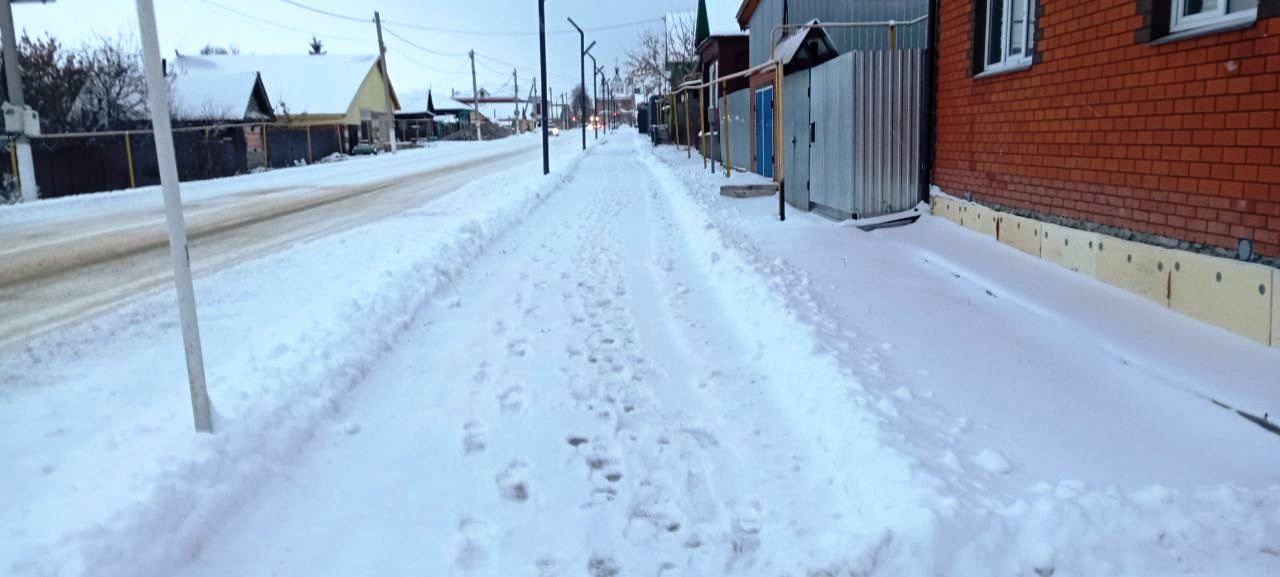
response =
{"points": [[309, 161], [725, 122], [158, 98]]}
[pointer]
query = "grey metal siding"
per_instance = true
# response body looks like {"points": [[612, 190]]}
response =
{"points": [[767, 15], [801, 11], [868, 113], [795, 138], [739, 114]]}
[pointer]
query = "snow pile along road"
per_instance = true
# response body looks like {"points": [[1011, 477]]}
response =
{"points": [[106, 477], [1176, 485]]}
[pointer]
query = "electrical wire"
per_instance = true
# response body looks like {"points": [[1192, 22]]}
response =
{"points": [[392, 33], [254, 20], [326, 12], [520, 33]]}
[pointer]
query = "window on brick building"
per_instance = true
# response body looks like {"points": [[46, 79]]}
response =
{"points": [[1197, 14], [1008, 33]]}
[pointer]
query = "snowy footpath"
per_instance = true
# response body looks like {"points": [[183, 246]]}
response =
{"points": [[614, 371]]}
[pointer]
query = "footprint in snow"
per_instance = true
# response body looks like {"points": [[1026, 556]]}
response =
{"points": [[474, 436], [513, 483]]}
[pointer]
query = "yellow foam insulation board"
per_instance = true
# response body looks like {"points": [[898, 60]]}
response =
{"points": [[1138, 268], [1020, 233], [1069, 248], [1275, 309], [1231, 294], [979, 218], [948, 208]]}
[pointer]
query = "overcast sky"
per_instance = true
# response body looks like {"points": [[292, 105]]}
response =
{"points": [[275, 26]]}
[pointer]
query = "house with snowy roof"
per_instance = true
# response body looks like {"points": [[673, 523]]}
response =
{"points": [[346, 92]]}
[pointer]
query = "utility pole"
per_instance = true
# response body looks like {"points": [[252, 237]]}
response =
{"points": [[475, 98], [158, 99], [13, 79], [542, 52], [582, 70], [386, 81], [516, 96]]}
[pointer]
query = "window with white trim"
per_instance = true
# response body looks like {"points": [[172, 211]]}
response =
{"points": [[1196, 14], [1009, 34]]}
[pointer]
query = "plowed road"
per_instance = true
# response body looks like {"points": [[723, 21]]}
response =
{"points": [[53, 274]]}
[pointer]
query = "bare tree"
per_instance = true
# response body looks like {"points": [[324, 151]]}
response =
{"points": [[52, 78], [317, 47], [211, 50], [115, 93], [580, 101], [651, 59]]}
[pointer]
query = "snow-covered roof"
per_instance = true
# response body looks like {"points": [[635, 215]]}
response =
{"points": [[789, 46], [302, 84], [213, 96]]}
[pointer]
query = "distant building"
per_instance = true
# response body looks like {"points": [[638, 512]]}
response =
{"points": [[346, 91]]}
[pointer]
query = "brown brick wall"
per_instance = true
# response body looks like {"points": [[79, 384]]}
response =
{"points": [[1179, 140]]}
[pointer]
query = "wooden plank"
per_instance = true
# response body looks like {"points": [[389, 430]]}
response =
{"points": [[1020, 233], [1138, 268], [1073, 249], [748, 190], [1230, 294]]}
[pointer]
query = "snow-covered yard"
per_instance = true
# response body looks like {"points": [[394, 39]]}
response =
{"points": [[615, 371]]}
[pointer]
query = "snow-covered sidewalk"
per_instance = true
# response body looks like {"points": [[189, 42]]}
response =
{"points": [[615, 371]]}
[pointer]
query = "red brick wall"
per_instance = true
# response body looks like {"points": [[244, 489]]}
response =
{"points": [[1179, 140]]}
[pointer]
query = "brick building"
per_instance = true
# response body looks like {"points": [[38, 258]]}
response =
{"points": [[1155, 117]]}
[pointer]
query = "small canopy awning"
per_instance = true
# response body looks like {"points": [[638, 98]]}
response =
{"points": [[806, 47]]}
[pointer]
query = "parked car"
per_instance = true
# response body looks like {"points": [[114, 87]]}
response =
{"points": [[363, 148]]}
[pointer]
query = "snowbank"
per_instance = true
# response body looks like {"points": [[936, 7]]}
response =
{"points": [[287, 338], [989, 514]]}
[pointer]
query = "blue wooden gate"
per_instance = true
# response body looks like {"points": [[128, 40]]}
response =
{"points": [[764, 132]]}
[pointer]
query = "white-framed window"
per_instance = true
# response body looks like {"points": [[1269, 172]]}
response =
{"points": [[1010, 34], [714, 74], [1196, 14]]}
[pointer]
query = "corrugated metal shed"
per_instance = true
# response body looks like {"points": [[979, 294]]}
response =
{"points": [[769, 14]]}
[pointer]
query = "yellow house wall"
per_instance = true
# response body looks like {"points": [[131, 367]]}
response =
{"points": [[372, 95]]}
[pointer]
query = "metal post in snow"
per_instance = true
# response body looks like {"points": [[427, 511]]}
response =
{"points": [[595, 96], [13, 78], [725, 122], [158, 100], [582, 71], [543, 112]]}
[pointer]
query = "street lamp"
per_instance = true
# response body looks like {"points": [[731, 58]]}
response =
{"points": [[582, 70], [595, 99], [542, 51]]}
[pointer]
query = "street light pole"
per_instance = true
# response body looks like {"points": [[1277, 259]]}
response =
{"points": [[158, 100], [13, 78], [542, 50], [582, 70], [595, 98]]}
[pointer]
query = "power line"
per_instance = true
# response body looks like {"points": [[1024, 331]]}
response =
{"points": [[418, 46], [254, 20], [326, 12], [412, 60], [520, 32]]}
